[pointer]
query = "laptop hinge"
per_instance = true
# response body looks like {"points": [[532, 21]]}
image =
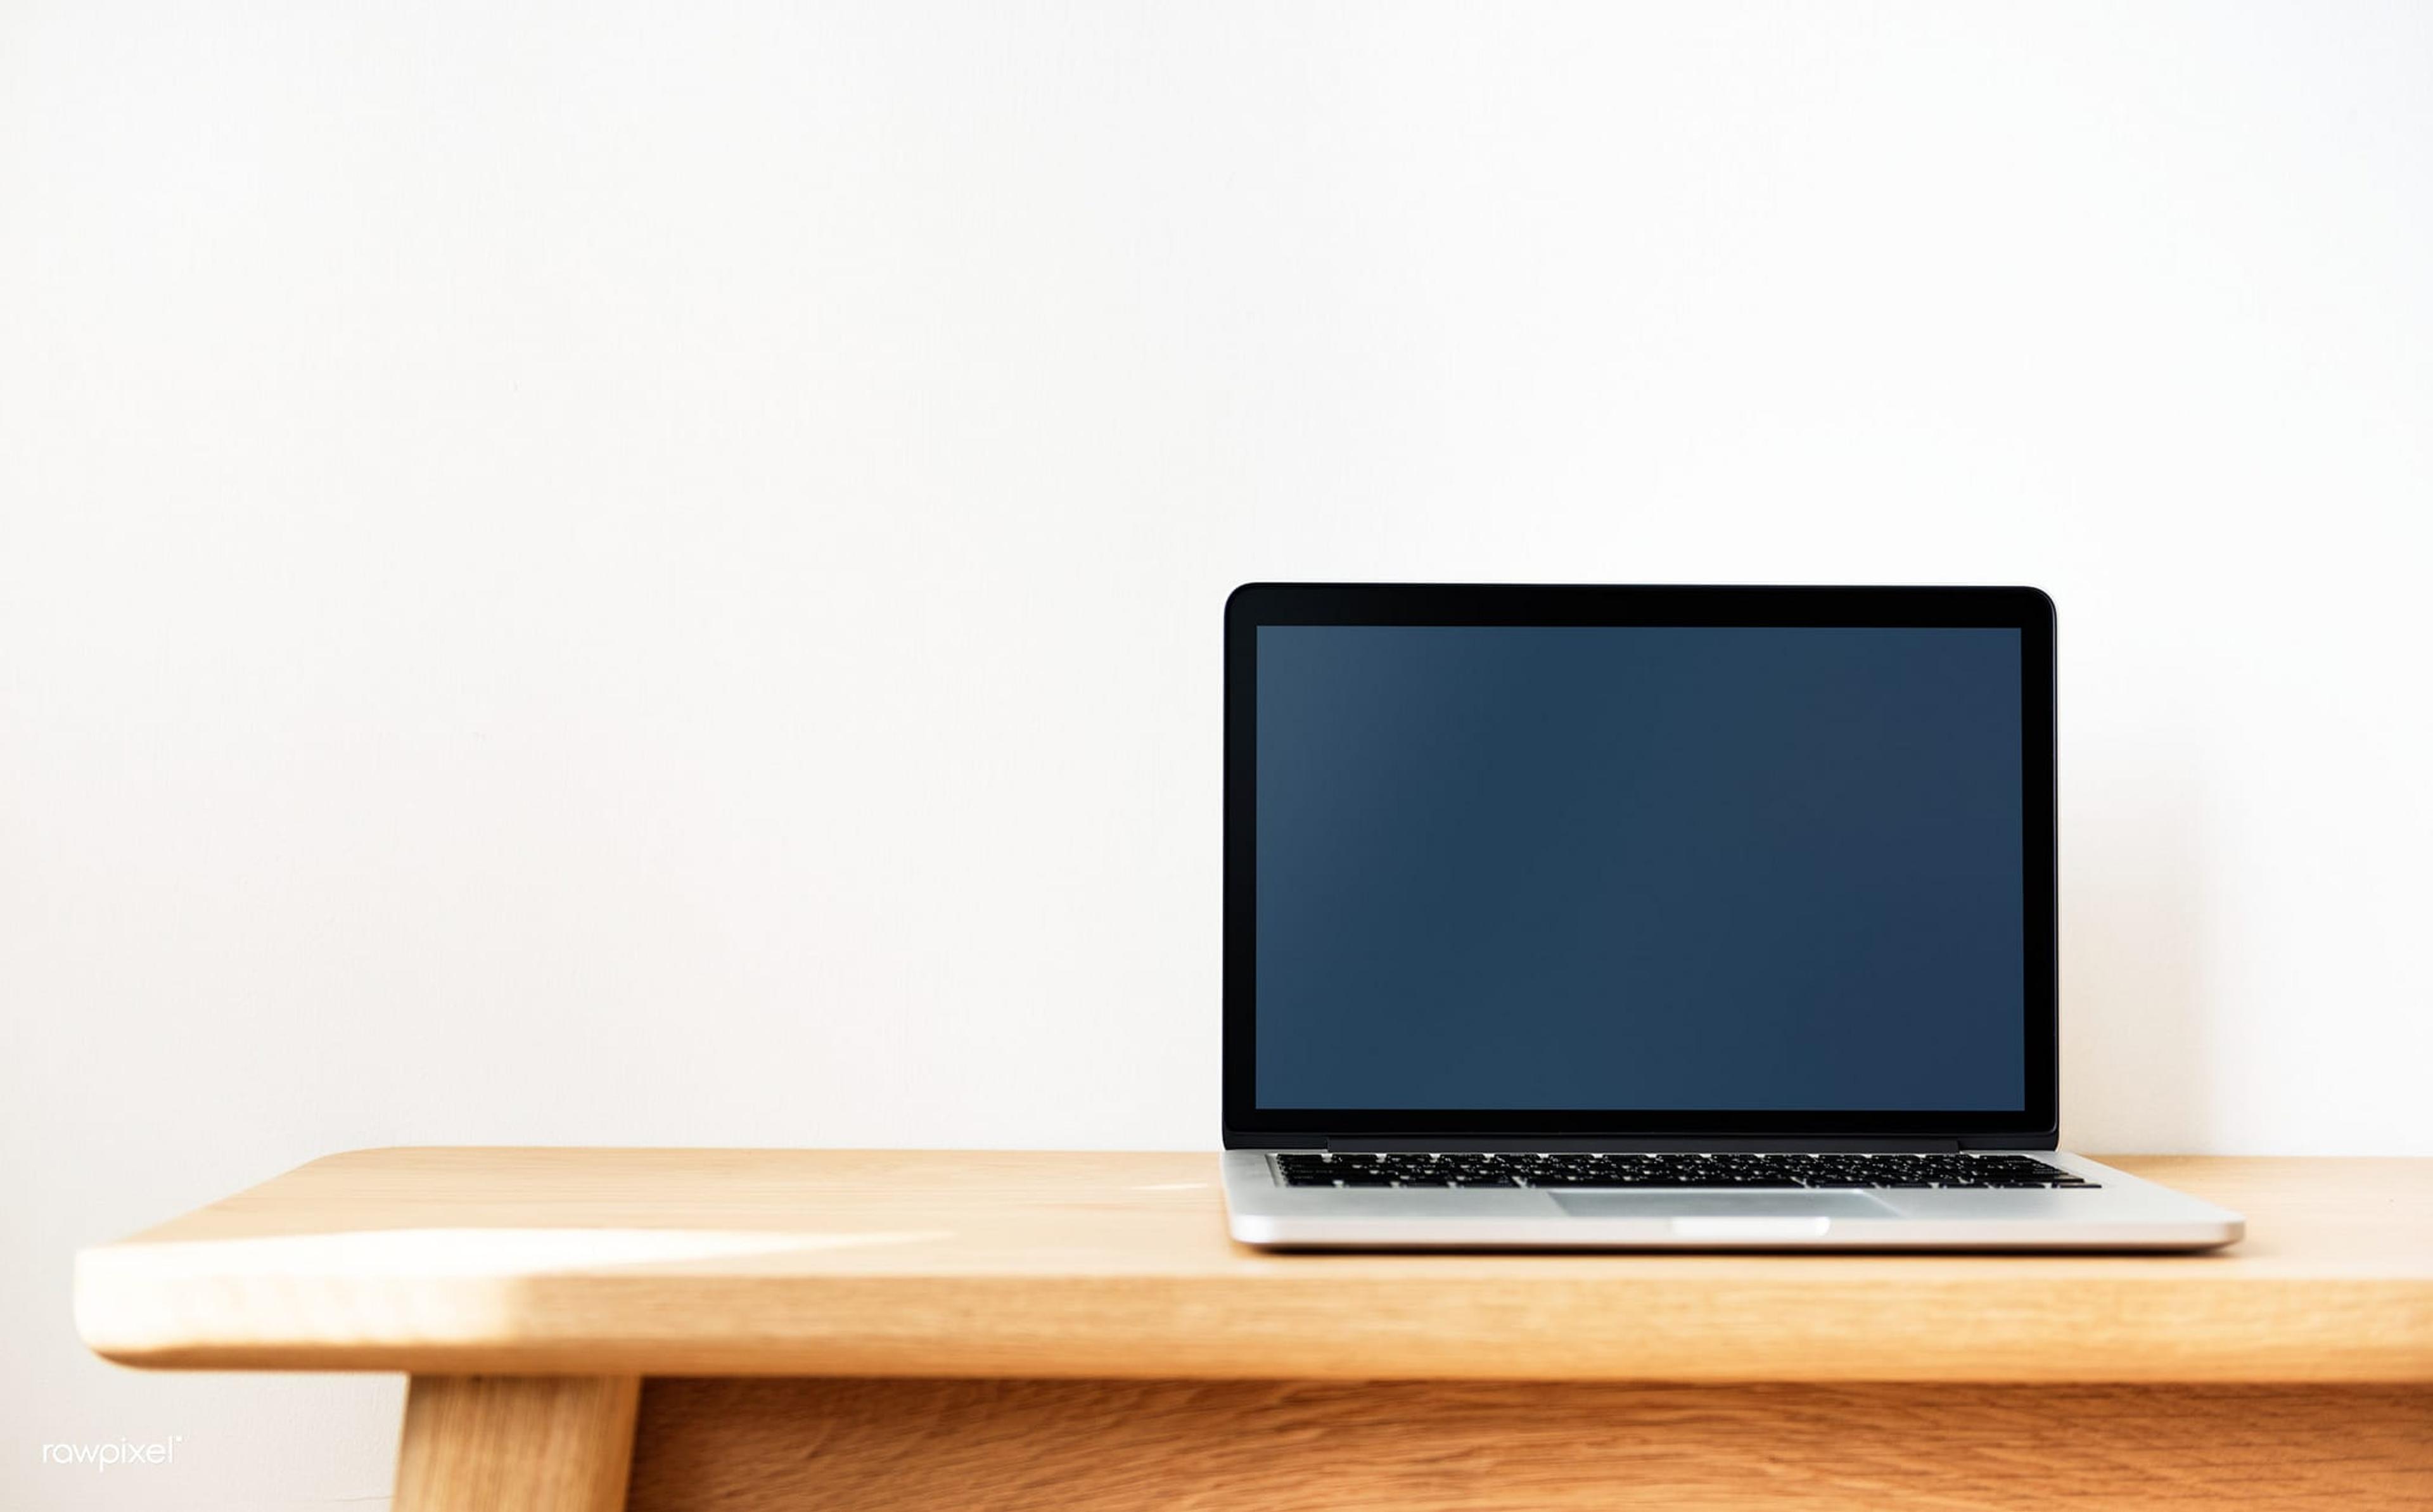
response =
{"points": [[1379, 1144]]}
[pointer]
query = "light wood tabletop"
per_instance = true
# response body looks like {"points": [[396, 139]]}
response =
{"points": [[529, 1291], [925, 1263]]}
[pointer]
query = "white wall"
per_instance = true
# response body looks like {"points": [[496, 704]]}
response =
{"points": [[652, 574]]}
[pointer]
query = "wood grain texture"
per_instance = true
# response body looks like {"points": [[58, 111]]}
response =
{"points": [[1101, 1446], [480, 1443], [999, 1264]]}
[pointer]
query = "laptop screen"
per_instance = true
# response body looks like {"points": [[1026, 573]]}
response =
{"points": [[1596, 867]]}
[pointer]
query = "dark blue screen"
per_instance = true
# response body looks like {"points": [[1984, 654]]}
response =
{"points": [[1627, 868]]}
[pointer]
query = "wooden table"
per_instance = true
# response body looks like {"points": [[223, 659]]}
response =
{"points": [[914, 1330]]}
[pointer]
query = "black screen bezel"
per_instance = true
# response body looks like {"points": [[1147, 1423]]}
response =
{"points": [[2025, 610]]}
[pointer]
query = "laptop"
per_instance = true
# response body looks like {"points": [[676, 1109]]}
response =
{"points": [[1650, 917]]}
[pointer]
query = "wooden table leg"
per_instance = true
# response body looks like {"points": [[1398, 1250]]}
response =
{"points": [[531, 1443]]}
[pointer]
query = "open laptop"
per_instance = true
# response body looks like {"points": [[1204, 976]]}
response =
{"points": [[1650, 917]]}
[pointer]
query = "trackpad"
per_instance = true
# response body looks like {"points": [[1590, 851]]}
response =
{"points": [[1767, 1204]]}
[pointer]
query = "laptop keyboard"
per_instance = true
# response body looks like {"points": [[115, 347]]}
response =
{"points": [[1678, 1170]]}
